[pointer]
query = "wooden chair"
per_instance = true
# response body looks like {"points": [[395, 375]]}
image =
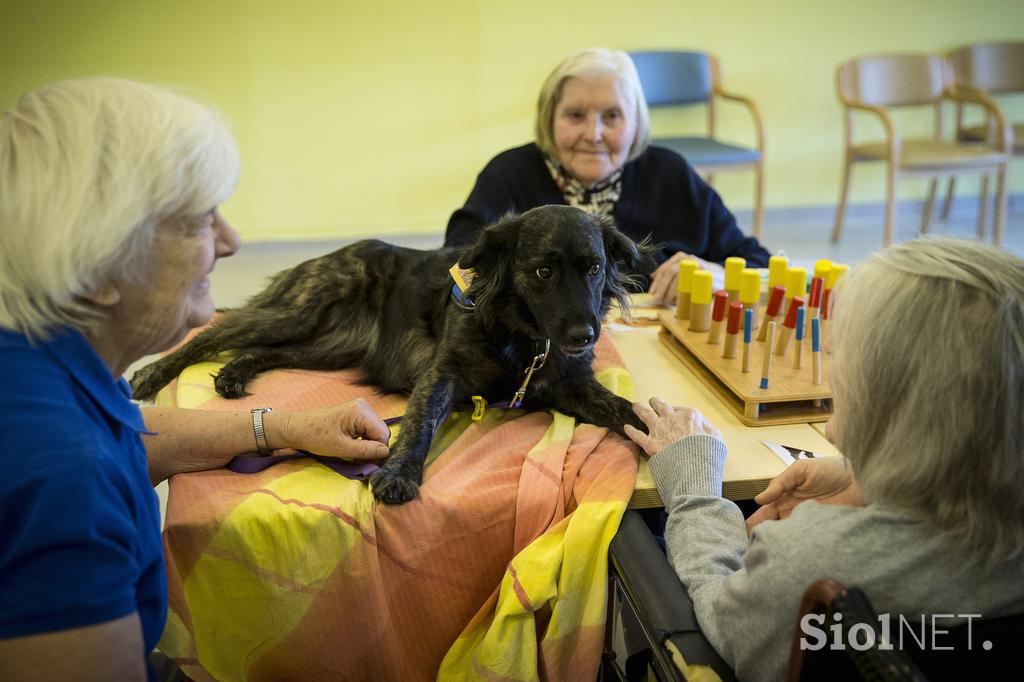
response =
{"points": [[876, 83], [983, 649], [672, 79], [825, 598], [988, 70]]}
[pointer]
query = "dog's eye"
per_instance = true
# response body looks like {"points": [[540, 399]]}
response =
{"points": [[544, 273], [594, 269]]}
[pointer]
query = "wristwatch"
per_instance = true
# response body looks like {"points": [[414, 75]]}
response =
{"points": [[257, 429]]}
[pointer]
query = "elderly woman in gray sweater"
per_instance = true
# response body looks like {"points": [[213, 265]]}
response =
{"points": [[924, 513]]}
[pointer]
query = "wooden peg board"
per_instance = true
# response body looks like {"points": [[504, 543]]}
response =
{"points": [[790, 398]]}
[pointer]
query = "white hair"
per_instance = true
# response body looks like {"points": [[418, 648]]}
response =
{"points": [[929, 392], [88, 167], [596, 61]]}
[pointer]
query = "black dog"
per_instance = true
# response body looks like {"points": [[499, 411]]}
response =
{"points": [[542, 279]]}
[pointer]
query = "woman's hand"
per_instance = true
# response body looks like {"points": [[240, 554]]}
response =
{"points": [[666, 425], [349, 430], [665, 280], [828, 480]]}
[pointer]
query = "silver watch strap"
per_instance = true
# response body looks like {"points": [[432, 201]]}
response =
{"points": [[257, 429]]}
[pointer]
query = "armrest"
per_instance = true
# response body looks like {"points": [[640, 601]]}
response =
{"points": [[1004, 142], [893, 140], [755, 113], [657, 596]]}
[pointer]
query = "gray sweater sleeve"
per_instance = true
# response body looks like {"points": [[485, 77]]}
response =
{"points": [[709, 550]]}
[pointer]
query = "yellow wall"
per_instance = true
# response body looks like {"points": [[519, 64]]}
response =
{"points": [[373, 117]]}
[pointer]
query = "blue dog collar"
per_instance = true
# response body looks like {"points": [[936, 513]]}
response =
{"points": [[461, 299]]}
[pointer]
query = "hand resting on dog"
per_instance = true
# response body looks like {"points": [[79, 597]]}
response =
{"points": [[196, 440]]}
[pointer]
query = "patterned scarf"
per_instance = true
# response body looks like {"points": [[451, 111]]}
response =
{"points": [[599, 199]]}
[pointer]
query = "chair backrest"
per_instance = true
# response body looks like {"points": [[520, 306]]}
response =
{"points": [[669, 78], [994, 67], [851, 611], [916, 649], [894, 80]]}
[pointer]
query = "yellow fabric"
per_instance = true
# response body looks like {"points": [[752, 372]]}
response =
{"points": [[564, 570], [251, 626], [692, 673]]}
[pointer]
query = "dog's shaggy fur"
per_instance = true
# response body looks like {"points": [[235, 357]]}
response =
{"points": [[549, 274]]}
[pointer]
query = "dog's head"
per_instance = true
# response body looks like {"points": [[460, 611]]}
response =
{"points": [[552, 272]]}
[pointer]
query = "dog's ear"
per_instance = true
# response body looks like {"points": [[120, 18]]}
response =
{"points": [[492, 259], [625, 262], [637, 258]]}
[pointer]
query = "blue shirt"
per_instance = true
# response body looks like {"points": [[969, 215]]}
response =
{"points": [[79, 519]]}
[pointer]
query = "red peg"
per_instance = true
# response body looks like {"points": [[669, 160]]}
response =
{"points": [[815, 299], [735, 318], [718, 310], [795, 302], [775, 301]]}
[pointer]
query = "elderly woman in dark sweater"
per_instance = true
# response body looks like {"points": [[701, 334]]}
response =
{"points": [[593, 151]]}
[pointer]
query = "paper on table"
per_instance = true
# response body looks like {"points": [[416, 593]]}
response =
{"points": [[789, 454], [643, 312]]}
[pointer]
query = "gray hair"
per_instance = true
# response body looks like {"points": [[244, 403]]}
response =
{"points": [[930, 393], [596, 61], [88, 167]]}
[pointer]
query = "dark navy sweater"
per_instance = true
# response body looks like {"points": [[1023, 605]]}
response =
{"points": [[662, 197]]}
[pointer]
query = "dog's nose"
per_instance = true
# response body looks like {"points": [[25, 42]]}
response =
{"points": [[581, 335]]}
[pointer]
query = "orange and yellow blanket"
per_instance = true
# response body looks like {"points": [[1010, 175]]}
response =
{"points": [[497, 571]]}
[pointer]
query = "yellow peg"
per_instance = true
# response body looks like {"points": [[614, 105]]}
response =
{"points": [[822, 268], [684, 287], [837, 271], [703, 286], [733, 267], [777, 266], [750, 285], [796, 282], [750, 291], [700, 301]]}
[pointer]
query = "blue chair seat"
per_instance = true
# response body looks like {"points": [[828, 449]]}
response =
{"points": [[706, 152], [675, 78]]}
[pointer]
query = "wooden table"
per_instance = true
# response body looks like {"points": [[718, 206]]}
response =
{"points": [[750, 464]]}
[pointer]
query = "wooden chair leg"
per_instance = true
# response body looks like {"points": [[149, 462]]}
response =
{"points": [[890, 203], [997, 230], [758, 198], [947, 205], [844, 189], [983, 205], [929, 205]]}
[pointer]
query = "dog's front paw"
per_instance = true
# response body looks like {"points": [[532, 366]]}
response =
{"points": [[230, 383], [393, 487], [148, 381]]}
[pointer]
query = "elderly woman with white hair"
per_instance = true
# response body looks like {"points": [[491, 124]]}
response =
{"points": [[925, 512], [593, 151], [109, 228]]}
